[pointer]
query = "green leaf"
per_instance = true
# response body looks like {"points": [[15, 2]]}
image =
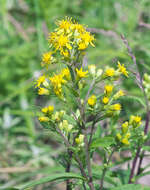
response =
{"points": [[128, 187], [50, 179], [134, 98], [147, 148], [102, 142]]}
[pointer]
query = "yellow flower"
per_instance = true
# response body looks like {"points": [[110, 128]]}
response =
{"points": [[105, 100], [65, 24], [78, 28], [60, 42], [119, 136], [92, 100], [48, 110], [66, 73], [40, 80], [80, 73], [80, 140], [47, 58], [57, 81], [109, 72], [108, 89], [125, 127], [116, 107], [125, 141], [84, 40], [119, 94], [135, 120], [43, 119], [43, 91], [127, 135], [122, 69]]}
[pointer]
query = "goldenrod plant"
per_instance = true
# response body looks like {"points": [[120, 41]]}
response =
{"points": [[88, 96]]}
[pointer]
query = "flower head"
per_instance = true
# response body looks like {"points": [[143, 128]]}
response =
{"points": [[108, 89], [109, 72], [92, 100], [47, 58], [43, 119], [122, 69], [48, 110], [135, 121], [40, 80], [119, 94], [105, 100], [80, 140], [125, 127], [81, 73], [116, 107], [43, 91]]}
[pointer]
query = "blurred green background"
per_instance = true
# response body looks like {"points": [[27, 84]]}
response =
{"points": [[24, 28]]}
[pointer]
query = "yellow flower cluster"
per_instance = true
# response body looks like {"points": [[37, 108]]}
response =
{"points": [[126, 127], [114, 74], [135, 121], [47, 111], [65, 126], [42, 85], [58, 80], [70, 35], [124, 137]]}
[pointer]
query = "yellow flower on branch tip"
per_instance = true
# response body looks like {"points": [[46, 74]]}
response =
{"points": [[40, 80], [48, 109], [116, 107], [105, 100], [66, 73], [64, 24], [108, 89], [125, 127], [92, 100], [81, 73], [43, 119], [122, 69], [84, 40], [109, 72], [119, 94], [78, 28], [135, 120], [47, 58], [80, 140], [43, 91], [125, 141], [127, 135], [119, 136]]}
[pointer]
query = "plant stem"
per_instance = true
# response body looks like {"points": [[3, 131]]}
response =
{"points": [[90, 182], [145, 132], [68, 184], [76, 156], [134, 164], [140, 83], [105, 170]]}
